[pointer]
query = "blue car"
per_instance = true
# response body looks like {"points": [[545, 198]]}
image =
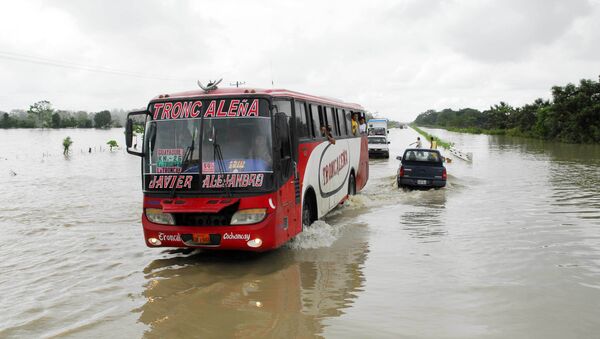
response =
{"points": [[421, 168]]}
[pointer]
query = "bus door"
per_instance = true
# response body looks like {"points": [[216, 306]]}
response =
{"points": [[286, 175]]}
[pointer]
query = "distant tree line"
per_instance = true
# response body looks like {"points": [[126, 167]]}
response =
{"points": [[42, 115], [573, 115]]}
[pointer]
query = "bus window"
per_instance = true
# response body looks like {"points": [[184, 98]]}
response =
{"points": [[284, 106], [322, 117], [316, 120], [342, 121], [337, 122], [302, 124], [331, 122], [348, 119]]}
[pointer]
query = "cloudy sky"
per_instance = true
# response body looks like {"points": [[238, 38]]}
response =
{"points": [[398, 58]]}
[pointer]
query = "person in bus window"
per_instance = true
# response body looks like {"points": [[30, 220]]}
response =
{"points": [[261, 154], [326, 132], [363, 126], [354, 124]]}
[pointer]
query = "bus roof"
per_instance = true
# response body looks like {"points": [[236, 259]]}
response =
{"points": [[221, 92]]}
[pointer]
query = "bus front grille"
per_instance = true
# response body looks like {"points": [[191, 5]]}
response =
{"points": [[202, 219]]}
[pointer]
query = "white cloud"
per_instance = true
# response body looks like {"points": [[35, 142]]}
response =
{"points": [[399, 58]]}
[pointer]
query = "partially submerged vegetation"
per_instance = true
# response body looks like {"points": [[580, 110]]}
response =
{"points": [[67, 142], [112, 144], [573, 115]]}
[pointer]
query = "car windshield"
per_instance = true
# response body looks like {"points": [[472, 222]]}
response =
{"points": [[377, 141], [422, 156], [377, 131]]}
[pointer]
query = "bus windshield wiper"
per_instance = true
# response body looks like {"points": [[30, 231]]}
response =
{"points": [[218, 157], [188, 154]]}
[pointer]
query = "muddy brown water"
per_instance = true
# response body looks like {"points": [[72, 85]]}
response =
{"points": [[510, 249]]}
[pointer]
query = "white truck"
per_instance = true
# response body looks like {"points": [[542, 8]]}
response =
{"points": [[377, 132], [377, 127]]}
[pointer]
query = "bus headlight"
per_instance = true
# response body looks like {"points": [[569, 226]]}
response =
{"points": [[249, 216], [254, 243], [156, 216]]}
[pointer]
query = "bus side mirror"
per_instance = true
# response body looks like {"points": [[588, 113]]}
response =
{"points": [[130, 131]]}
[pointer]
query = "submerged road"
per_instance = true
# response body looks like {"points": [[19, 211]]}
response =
{"points": [[510, 249]]}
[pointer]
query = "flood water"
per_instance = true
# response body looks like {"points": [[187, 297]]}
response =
{"points": [[510, 249]]}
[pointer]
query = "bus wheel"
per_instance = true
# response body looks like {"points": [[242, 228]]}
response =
{"points": [[307, 212], [351, 185]]}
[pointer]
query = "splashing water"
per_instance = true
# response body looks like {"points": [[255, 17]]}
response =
{"points": [[356, 202], [319, 234]]}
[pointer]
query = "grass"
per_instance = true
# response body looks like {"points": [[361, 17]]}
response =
{"points": [[428, 136]]}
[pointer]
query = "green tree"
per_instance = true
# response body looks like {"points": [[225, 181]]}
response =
{"points": [[69, 122], [102, 119], [56, 120], [7, 121], [41, 113], [83, 120], [497, 116]]}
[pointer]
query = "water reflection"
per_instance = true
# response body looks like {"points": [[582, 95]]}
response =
{"points": [[424, 225], [574, 190], [573, 171], [426, 219], [572, 153], [283, 293]]}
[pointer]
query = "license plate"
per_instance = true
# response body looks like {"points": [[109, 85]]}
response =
{"points": [[201, 238], [421, 182]]}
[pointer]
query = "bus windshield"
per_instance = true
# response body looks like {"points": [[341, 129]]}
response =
{"points": [[211, 151], [237, 146], [167, 143]]}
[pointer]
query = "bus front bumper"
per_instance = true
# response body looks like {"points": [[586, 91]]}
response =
{"points": [[257, 237]]}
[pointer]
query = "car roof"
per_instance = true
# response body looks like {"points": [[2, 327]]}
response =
{"points": [[421, 150]]}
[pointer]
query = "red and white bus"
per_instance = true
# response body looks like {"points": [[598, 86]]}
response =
{"points": [[244, 169]]}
